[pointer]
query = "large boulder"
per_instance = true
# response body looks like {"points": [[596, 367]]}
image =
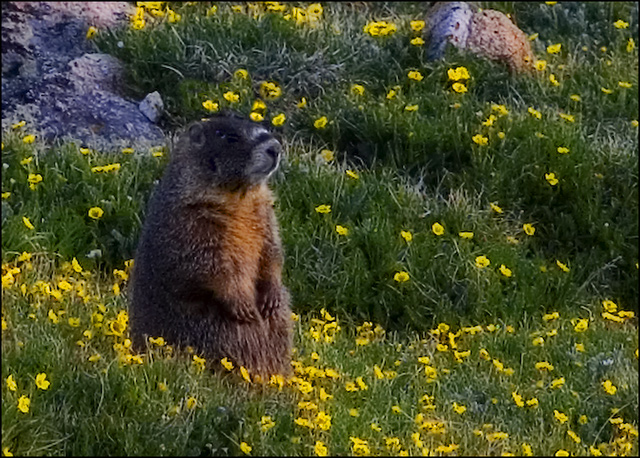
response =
{"points": [[53, 78]]}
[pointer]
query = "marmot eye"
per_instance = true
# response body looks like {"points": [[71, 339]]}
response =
{"points": [[220, 134]]}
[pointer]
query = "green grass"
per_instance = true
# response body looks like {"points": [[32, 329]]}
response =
{"points": [[407, 171]]}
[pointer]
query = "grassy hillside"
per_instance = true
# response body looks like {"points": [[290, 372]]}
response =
{"points": [[461, 246]]}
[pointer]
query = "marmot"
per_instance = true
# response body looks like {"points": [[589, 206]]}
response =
{"points": [[208, 266]]}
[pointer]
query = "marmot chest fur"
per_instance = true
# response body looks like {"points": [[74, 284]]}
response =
{"points": [[208, 266]]}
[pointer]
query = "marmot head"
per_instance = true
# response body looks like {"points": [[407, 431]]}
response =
{"points": [[231, 152]]}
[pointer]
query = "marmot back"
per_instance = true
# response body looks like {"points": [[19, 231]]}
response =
{"points": [[208, 266]]}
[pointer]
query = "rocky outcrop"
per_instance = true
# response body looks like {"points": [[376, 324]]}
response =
{"points": [[53, 78], [485, 33]]}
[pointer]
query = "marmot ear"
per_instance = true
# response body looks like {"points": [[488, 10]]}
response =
{"points": [[196, 135]]}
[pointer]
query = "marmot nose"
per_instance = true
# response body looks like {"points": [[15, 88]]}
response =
{"points": [[271, 148]]}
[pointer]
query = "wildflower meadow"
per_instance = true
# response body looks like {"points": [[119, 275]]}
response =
{"points": [[461, 241]]}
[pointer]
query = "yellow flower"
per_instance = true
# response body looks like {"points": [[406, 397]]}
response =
{"points": [[406, 235], [361, 384], [411, 108], [18, 125], [562, 266], [191, 402], [228, 365], [575, 97], [11, 383], [23, 404], [380, 28], [554, 49], [459, 408], [562, 418], [323, 421], [357, 89], [466, 235], [302, 103], [553, 80], [457, 74], [459, 88], [563, 150], [320, 449], [323, 208], [241, 73], [91, 32], [29, 139], [401, 277], [609, 306], [270, 90], [246, 448], [611, 317], [352, 174], [320, 123], [504, 270], [541, 65], [279, 120], [417, 41], [437, 228], [620, 24], [606, 90], [557, 383], [630, 45], [94, 358], [96, 212], [42, 382], [210, 105], [538, 341], [624, 84], [327, 155], [581, 325], [517, 399], [634, 122], [480, 139], [535, 113], [609, 387], [495, 208], [562, 452], [551, 178], [594, 451], [245, 374], [544, 366], [567, 117], [266, 423], [482, 262], [417, 26], [533, 402], [231, 96], [256, 117], [341, 230], [27, 223], [415, 75], [490, 120]]}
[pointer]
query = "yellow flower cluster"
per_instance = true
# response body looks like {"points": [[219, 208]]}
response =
{"points": [[380, 28]]}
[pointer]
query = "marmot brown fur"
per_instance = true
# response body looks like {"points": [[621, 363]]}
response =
{"points": [[207, 271]]}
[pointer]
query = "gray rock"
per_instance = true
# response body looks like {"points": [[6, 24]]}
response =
{"points": [[447, 22], [152, 106], [53, 78]]}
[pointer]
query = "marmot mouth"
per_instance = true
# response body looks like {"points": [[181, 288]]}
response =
{"points": [[265, 158]]}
